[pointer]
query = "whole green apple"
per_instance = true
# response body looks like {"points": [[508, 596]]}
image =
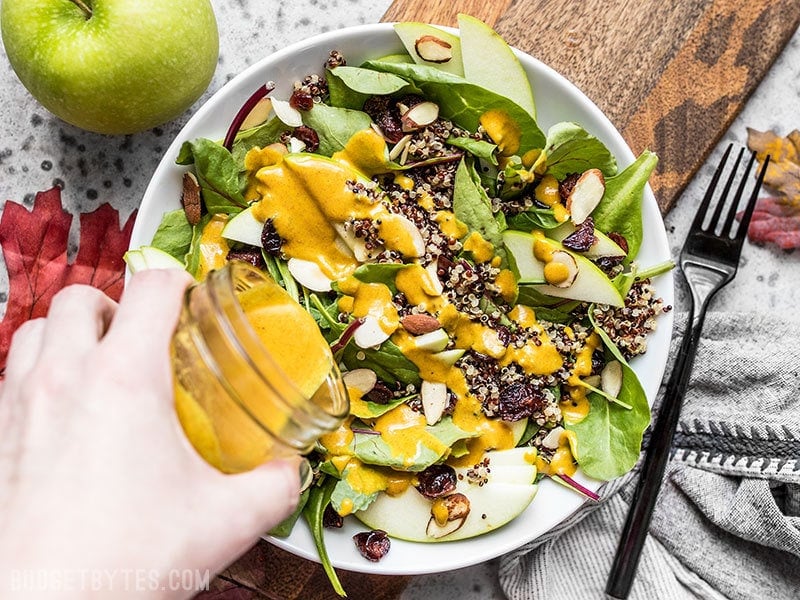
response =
{"points": [[112, 66]]}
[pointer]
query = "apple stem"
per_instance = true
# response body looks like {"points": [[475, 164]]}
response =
{"points": [[86, 9]]}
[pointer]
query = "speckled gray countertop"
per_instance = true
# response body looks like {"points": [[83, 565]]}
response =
{"points": [[37, 151]]}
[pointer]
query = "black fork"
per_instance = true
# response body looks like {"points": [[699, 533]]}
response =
{"points": [[709, 259]]}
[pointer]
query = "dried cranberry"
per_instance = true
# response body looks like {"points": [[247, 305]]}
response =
{"points": [[582, 238], [308, 136], [331, 519], [566, 186], [249, 255], [301, 100], [270, 240], [386, 116], [619, 240], [379, 394], [436, 481], [519, 400], [373, 545]]}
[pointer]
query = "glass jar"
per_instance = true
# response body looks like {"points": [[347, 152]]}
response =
{"points": [[254, 378]]}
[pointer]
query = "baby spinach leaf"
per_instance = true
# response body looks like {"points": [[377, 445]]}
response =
{"points": [[472, 206], [478, 148], [609, 439], [343, 493], [318, 499], [257, 137], [373, 410], [218, 175], [388, 362], [461, 101], [572, 149], [193, 256], [174, 234], [334, 126], [384, 273], [515, 179], [373, 450], [620, 210], [341, 96], [284, 528], [533, 218], [368, 81]]}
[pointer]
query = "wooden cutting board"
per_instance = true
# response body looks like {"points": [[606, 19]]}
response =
{"points": [[671, 75]]}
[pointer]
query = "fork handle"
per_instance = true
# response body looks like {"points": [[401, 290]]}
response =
{"points": [[634, 533]]}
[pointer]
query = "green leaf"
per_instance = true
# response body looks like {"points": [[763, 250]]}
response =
{"points": [[334, 126], [478, 148], [341, 96], [367, 81], [174, 235], [463, 102], [384, 273], [344, 493], [375, 410], [533, 218], [472, 206], [318, 499], [572, 149], [193, 256], [609, 439], [620, 210], [373, 450], [388, 362], [284, 528], [257, 137], [217, 173]]}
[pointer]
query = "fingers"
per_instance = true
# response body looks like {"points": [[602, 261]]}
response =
{"points": [[77, 319], [26, 345], [147, 314]]}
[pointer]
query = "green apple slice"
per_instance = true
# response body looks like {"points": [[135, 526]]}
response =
{"points": [[590, 283], [490, 63], [499, 500], [604, 246], [413, 35], [245, 228], [150, 257]]}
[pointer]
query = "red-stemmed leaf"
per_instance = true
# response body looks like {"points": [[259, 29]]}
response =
{"points": [[34, 245]]}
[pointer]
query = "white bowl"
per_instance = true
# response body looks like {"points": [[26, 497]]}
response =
{"points": [[556, 100]]}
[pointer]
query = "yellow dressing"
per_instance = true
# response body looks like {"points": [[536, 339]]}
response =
{"points": [[404, 431], [450, 225], [562, 462], [504, 131], [213, 247], [482, 251]]}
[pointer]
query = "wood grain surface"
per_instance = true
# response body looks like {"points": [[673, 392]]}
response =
{"points": [[670, 75]]}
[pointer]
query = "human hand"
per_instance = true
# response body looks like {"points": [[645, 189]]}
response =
{"points": [[96, 474]]}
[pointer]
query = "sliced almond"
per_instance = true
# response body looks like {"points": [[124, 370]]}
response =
{"points": [[296, 145], [586, 195], [448, 514], [420, 324], [419, 116], [398, 148], [287, 114], [433, 49], [562, 269], [190, 198], [551, 439], [434, 400], [611, 378], [362, 380], [370, 334]]}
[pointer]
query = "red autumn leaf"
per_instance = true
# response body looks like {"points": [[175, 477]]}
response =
{"points": [[34, 245]]}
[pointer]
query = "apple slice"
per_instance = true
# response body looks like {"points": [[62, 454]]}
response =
{"points": [[590, 283], [308, 274], [150, 257], [423, 41], [435, 341], [408, 515], [370, 334], [490, 63], [245, 228]]}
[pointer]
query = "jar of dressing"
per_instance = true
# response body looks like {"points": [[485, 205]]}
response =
{"points": [[254, 378]]}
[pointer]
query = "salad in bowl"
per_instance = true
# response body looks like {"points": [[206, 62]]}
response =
{"points": [[488, 285]]}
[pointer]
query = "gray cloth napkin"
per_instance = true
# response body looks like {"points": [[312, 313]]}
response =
{"points": [[727, 521]]}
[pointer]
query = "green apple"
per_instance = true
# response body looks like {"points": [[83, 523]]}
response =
{"points": [[150, 257], [112, 66]]}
